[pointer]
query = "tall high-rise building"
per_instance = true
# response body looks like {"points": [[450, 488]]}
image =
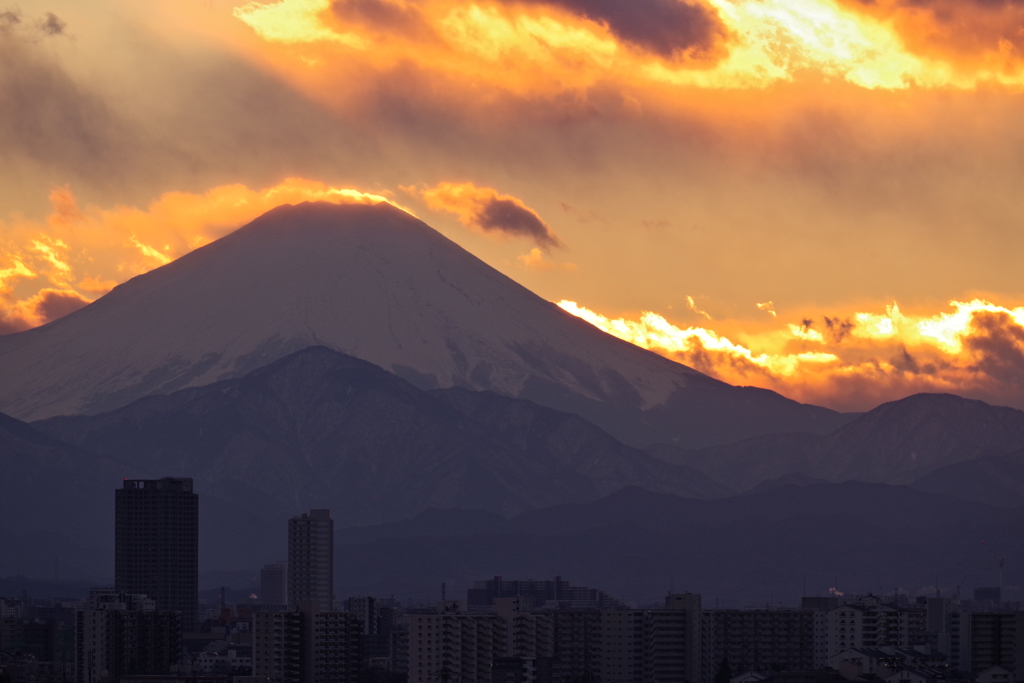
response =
{"points": [[156, 544], [311, 560]]}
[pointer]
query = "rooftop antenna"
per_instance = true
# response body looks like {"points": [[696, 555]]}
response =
{"points": [[443, 592]]}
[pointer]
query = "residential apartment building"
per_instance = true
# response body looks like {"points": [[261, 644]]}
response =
{"points": [[121, 634], [307, 646], [762, 640], [454, 645]]}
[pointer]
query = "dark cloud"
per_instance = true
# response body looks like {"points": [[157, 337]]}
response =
{"points": [[202, 132], [998, 344], [665, 27], [988, 4], [53, 304], [47, 117], [46, 306], [383, 15], [52, 25], [905, 362], [49, 25], [509, 217], [9, 19], [837, 329]]}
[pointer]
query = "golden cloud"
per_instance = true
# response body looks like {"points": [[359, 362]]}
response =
{"points": [[536, 260], [550, 46], [979, 36], [853, 362]]}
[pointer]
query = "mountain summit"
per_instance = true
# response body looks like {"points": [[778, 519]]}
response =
{"points": [[378, 284]]}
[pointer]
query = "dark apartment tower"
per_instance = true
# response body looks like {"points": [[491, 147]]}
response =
{"points": [[156, 544], [274, 584], [311, 561]]}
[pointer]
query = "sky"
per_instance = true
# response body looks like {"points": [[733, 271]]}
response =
{"points": [[820, 197]]}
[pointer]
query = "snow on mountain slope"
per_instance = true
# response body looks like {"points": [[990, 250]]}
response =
{"points": [[370, 281]]}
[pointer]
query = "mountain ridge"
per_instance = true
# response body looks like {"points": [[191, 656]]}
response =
{"points": [[320, 428], [897, 443]]}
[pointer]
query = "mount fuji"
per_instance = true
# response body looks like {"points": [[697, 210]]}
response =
{"points": [[378, 284]]}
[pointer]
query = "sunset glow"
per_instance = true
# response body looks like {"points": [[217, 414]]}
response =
{"points": [[852, 362], [760, 42], [770, 176]]}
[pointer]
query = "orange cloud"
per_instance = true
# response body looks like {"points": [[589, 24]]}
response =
{"points": [[536, 260], [853, 362], [547, 47], [977, 36], [486, 210], [45, 306], [693, 307], [49, 269]]}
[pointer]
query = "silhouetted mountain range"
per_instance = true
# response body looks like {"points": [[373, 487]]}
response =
{"points": [[323, 429], [320, 428], [995, 480], [634, 543], [896, 443], [55, 502]]}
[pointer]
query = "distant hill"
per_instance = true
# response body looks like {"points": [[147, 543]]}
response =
{"points": [[995, 480], [56, 505], [897, 443], [57, 512], [323, 429]]}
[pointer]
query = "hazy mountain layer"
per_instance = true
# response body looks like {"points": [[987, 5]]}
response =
{"points": [[57, 511], [896, 443], [56, 504], [747, 549], [380, 285], [996, 480], [323, 429]]}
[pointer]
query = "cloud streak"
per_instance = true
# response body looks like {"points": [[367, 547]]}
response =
{"points": [[486, 210]]}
